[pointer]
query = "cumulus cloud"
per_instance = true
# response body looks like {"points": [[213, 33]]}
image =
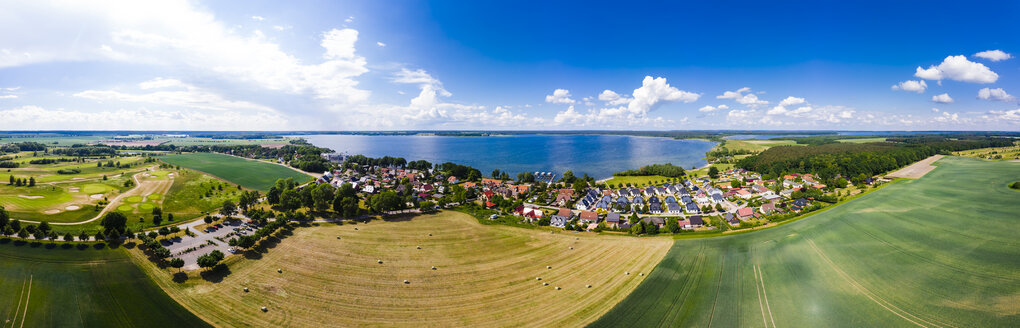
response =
{"points": [[258, 18], [911, 85], [613, 99], [791, 101], [712, 109], [942, 99], [560, 96], [1012, 116], [38, 118], [993, 55], [380, 44], [996, 94], [958, 68], [654, 92], [947, 118], [750, 99]]}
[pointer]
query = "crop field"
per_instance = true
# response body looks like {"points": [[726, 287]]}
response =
{"points": [[940, 251], [248, 173], [484, 276], [997, 153], [51, 286]]}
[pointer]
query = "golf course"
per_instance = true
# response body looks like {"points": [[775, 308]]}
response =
{"points": [[484, 276], [939, 251], [47, 285], [251, 174]]}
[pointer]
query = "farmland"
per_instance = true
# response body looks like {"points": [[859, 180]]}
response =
{"points": [[248, 173], [484, 276], [867, 263], [43, 285]]}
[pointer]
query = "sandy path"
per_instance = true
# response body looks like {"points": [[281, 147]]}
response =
{"points": [[141, 188], [916, 170]]}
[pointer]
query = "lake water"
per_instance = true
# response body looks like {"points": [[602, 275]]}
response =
{"points": [[597, 155]]}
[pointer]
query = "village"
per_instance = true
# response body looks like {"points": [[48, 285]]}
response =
{"points": [[735, 199]]}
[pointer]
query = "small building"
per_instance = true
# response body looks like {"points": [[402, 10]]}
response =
{"points": [[561, 218], [588, 217], [745, 213], [613, 220]]}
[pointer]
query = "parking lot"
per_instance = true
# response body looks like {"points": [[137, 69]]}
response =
{"points": [[179, 247]]}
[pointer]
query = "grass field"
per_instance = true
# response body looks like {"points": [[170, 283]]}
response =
{"points": [[998, 153], [187, 197], [485, 276], [637, 180], [862, 140], [248, 173], [756, 144], [937, 251], [52, 286]]}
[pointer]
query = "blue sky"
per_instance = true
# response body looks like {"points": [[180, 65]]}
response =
{"points": [[394, 65]]}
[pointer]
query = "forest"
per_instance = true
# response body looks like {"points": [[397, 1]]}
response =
{"points": [[857, 160]]}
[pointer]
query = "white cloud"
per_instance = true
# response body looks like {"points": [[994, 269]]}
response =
{"points": [[8, 96], [935, 109], [942, 98], [38, 118], [995, 94], [912, 86], [947, 118], [712, 109], [349, 19], [1011, 116], [993, 55], [380, 44], [613, 99], [568, 116], [958, 68], [750, 100], [791, 101], [282, 27], [183, 95], [654, 92], [258, 18], [177, 34], [560, 96]]}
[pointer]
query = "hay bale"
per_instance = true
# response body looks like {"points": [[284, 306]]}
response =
{"points": [[419, 247], [548, 267], [642, 274], [355, 228], [279, 270], [337, 237], [589, 286], [571, 248], [406, 281], [627, 273], [430, 234], [557, 287], [433, 267], [545, 284], [380, 261], [538, 278], [264, 309], [245, 289]]}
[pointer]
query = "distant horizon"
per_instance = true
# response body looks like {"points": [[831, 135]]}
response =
{"points": [[517, 131]]}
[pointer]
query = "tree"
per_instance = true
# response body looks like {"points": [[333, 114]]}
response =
{"points": [[113, 235], [39, 234], [5, 217], [248, 199], [634, 218], [99, 236], [322, 196], [653, 229], [114, 221], [211, 259], [718, 207], [495, 174], [177, 263], [638, 228], [246, 241], [273, 195], [31, 181], [713, 172], [672, 226], [228, 209], [12, 180], [157, 220], [385, 201], [44, 226], [83, 236], [289, 200], [427, 205], [22, 233], [207, 219], [157, 211]]}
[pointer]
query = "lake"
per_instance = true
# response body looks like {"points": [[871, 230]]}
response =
{"points": [[597, 155]]}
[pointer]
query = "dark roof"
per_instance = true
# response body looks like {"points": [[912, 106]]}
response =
{"points": [[696, 220], [653, 220], [613, 217]]}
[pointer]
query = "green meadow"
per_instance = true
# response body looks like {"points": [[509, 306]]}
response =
{"points": [[49, 285], [940, 251], [247, 173]]}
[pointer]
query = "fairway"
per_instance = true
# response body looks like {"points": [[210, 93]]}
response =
{"points": [[940, 251], [248, 173], [70, 287], [485, 276]]}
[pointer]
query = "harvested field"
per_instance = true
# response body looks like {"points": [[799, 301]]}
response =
{"points": [[916, 170], [483, 276]]}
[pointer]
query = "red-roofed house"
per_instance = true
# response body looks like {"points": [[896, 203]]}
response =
{"points": [[588, 217], [452, 180], [745, 213], [768, 208]]}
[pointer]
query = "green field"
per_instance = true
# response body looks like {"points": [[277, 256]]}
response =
{"points": [[938, 251], [638, 180], [248, 173], [187, 197], [72, 287], [861, 140]]}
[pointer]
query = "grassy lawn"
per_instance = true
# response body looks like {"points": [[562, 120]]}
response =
{"points": [[756, 145], [334, 282], [935, 251], [187, 197], [248, 173], [863, 140], [72, 287], [638, 180], [998, 153]]}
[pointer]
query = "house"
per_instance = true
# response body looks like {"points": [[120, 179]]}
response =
{"points": [[491, 182], [654, 206], [622, 204], [470, 185], [368, 189], [562, 200], [452, 180], [673, 208], [744, 194], [565, 191], [488, 194], [745, 213], [786, 193], [696, 221], [732, 219], [771, 198], [654, 220], [637, 202], [588, 217], [692, 207], [768, 208], [649, 191], [717, 198], [869, 181], [561, 218], [791, 184], [613, 220], [801, 202], [489, 204], [701, 198], [761, 190], [683, 223]]}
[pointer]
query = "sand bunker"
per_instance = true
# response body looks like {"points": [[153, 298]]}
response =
{"points": [[73, 208], [30, 197], [73, 189], [96, 196], [51, 212]]}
